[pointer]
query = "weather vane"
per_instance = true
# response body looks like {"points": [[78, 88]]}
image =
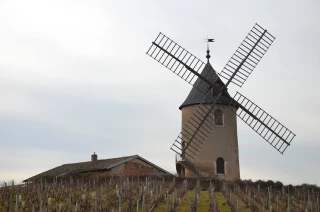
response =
{"points": [[208, 51]]}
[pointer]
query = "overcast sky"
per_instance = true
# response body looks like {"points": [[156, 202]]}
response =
{"points": [[75, 78]]}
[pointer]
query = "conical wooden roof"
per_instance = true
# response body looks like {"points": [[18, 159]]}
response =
{"points": [[196, 97]]}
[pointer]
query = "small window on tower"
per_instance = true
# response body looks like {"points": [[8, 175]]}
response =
{"points": [[218, 118]]}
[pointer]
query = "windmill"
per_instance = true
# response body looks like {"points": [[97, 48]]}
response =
{"points": [[211, 104]]}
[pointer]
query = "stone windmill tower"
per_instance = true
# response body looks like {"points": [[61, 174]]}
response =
{"points": [[219, 155], [207, 144]]}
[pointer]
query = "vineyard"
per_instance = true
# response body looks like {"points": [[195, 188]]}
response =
{"points": [[156, 193]]}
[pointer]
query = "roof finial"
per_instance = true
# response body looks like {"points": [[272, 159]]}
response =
{"points": [[208, 51]]}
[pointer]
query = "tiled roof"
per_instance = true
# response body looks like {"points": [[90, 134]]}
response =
{"points": [[104, 164], [195, 96]]}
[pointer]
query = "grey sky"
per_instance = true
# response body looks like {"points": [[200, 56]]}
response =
{"points": [[75, 79]]}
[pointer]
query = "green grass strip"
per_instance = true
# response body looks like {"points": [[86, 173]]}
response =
{"points": [[184, 204], [203, 205], [222, 205]]}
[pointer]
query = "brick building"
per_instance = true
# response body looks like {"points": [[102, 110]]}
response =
{"points": [[128, 165]]}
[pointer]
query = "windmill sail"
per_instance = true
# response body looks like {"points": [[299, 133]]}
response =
{"points": [[179, 61], [276, 134], [195, 132], [247, 56]]}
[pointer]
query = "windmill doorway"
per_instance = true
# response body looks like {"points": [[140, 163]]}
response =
{"points": [[220, 166]]}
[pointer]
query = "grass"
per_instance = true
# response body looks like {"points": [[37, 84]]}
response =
{"points": [[243, 206], [162, 207], [222, 205], [184, 204], [203, 205]]}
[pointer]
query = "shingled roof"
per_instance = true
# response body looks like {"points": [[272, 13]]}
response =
{"points": [[104, 164], [195, 96]]}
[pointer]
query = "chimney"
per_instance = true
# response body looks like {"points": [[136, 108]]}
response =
{"points": [[94, 157]]}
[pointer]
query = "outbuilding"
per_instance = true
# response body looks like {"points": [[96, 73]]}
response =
{"points": [[127, 166]]}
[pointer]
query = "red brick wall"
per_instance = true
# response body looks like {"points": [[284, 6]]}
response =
{"points": [[137, 168]]}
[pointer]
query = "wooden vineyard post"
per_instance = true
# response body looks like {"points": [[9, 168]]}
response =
{"points": [[143, 203], [69, 202], [167, 205], [120, 196], [95, 203], [317, 208], [288, 205], [249, 202], [16, 208], [157, 191], [172, 200], [214, 202], [76, 207], [238, 206], [40, 203]]}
